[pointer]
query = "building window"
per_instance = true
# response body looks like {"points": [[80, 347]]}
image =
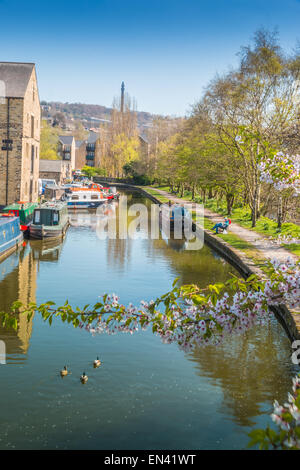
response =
{"points": [[90, 147], [32, 158], [32, 127]]}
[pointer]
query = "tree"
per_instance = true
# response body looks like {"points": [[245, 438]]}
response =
{"points": [[119, 139], [49, 141], [253, 106], [59, 120], [89, 171]]}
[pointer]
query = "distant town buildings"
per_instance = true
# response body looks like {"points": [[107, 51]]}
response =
{"points": [[20, 119]]}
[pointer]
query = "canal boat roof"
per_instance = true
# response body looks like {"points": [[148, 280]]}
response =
{"points": [[4, 220], [21, 206], [22, 209], [86, 192], [50, 214], [55, 205]]}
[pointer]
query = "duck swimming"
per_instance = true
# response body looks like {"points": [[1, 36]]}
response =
{"points": [[97, 362], [64, 372], [84, 378]]}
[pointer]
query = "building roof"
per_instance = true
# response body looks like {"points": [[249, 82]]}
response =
{"points": [[93, 137], [144, 138], [51, 166], [16, 77], [79, 143], [66, 139]]}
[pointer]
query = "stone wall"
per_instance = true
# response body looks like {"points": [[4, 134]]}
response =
{"points": [[24, 131], [10, 179], [51, 175], [31, 141]]}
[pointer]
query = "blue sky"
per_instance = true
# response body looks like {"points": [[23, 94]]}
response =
{"points": [[166, 51]]}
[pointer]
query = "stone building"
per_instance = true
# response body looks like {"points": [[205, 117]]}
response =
{"points": [[58, 170], [67, 149], [93, 151], [20, 119]]}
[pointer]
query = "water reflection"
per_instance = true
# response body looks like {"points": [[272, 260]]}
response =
{"points": [[216, 392], [18, 282], [46, 250], [251, 370]]}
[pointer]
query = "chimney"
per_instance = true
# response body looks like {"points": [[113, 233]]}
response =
{"points": [[122, 97]]}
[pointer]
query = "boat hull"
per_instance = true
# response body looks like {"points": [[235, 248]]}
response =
{"points": [[85, 205], [14, 244], [40, 232], [10, 235]]}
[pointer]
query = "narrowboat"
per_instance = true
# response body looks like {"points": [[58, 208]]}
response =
{"points": [[23, 210], [174, 216], [10, 234], [50, 220], [85, 199]]}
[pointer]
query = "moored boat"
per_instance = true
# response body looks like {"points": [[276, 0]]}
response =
{"points": [[10, 234], [85, 199], [23, 210], [175, 216], [50, 220], [108, 193]]}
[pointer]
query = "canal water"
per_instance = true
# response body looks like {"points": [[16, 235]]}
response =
{"points": [[146, 395]]}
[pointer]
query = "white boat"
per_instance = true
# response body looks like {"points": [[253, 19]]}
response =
{"points": [[85, 199]]}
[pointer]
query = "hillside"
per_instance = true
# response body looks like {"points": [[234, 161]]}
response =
{"points": [[91, 113]]}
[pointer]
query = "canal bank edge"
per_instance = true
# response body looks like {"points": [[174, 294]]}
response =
{"points": [[288, 319]]}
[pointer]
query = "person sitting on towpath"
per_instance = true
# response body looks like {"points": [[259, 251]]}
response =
{"points": [[223, 227]]}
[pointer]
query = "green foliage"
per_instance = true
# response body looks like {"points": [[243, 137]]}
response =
{"points": [[49, 141], [131, 169], [242, 216], [91, 171]]}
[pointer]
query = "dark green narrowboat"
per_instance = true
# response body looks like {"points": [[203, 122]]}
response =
{"points": [[50, 220]]}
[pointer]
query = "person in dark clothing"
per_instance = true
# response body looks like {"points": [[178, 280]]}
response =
{"points": [[217, 227]]}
